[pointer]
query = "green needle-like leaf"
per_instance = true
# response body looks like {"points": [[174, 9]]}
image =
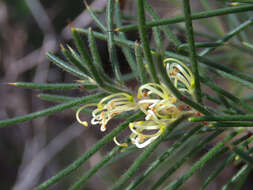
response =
{"points": [[95, 168], [243, 155], [131, 171], [223, 165], [94, 17], [211, 154], [246, 117], [49, 111], [96, 58], [55, 98], [239, 76], [223, 92], [76, 164], [92, 68], [145, 41], [165, 29], [66, 67], [110, 40], [51, 86], [240, 173], [192, 49], [74, 60], [199, 45], [228, 36], [179, 163], [195, 16], [126, 51], [140, 64], [163, 157], [85, 56]]}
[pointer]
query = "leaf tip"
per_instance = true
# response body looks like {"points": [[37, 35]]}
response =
{"points": [[116, 30], [71, 26], [62, 47], [86, 4], [12, 83]]}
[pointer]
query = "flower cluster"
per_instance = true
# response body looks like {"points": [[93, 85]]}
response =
{"points": [[181, 76], [107, 108], [156, 101]]}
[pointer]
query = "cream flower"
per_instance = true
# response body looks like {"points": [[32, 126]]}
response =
{"points": [[157, 102], [161, 108], [107, 108], [145, 132], [181, 75]]}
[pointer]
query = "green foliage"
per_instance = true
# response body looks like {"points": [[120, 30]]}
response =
{"points": [[226, 115]]}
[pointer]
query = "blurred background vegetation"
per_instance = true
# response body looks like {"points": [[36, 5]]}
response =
{"points": [[31, 152]]}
